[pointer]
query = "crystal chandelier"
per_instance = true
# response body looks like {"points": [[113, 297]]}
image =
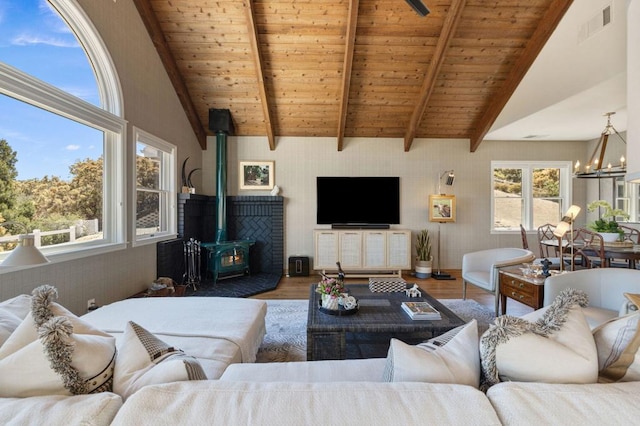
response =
{"points": [[596, 168]]}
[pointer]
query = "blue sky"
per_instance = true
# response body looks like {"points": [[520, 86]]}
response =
{"points": [[34, 39]]}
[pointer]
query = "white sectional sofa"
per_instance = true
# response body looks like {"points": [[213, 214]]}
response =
{"points": [[358, 391], [351, 392], [218, 331], [291, 402]]}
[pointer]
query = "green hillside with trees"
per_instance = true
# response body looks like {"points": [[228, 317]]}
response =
{"points": [[48, 203]]}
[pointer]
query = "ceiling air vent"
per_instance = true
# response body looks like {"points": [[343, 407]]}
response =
{"points": [[595, 24]]}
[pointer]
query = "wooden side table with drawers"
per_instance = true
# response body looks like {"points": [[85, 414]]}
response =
{"points": [[514, 285]]}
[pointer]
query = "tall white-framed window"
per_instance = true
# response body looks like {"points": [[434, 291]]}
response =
{"points": [[530, 193], [155, 188], [627, 198], [62, 100]]}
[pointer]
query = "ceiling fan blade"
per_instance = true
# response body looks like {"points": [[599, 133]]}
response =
{"points": [[419, 7]]}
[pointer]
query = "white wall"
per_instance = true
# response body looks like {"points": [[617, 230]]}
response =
{"points": [[299, 160], [633, 91], [554, 76]]}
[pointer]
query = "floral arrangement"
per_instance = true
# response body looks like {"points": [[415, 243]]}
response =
{"points": [[331, 287], [607, 221]]}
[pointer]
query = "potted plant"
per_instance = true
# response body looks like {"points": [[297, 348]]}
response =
{"points": [[424, 259], [331, 289], [606, 225]]}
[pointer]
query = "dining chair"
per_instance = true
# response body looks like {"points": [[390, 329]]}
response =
{"points": [[545, 233], [588, 250], [554, 261], [632, 236], [549, 244], [523, 235]]}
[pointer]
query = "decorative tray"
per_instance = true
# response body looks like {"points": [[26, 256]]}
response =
{"points": [[341, 311], [388, 285], [618, 243]]}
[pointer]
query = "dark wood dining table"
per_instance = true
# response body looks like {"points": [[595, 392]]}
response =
{"points": [[628, 252]]}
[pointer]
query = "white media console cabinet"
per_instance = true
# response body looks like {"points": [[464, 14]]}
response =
{"points": [[362, 252]]}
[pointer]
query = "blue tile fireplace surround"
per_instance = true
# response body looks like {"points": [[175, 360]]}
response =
{"points": [[258, 218]]}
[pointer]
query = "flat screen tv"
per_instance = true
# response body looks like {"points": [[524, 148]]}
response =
{"points": [[358, 201]]}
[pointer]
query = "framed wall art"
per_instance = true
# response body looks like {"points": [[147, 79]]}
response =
{"points": [[442, 208], [257, 175]]}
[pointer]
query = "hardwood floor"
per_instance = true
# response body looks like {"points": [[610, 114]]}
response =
{"points": [[298, 288]]}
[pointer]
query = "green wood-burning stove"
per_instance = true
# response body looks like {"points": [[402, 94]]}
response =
{"points": [[228, 259]]}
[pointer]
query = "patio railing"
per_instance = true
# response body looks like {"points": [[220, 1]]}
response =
{"points": [[38, 234]]}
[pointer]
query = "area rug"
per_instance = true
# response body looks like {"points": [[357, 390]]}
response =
{"points": [[242, 286], [286, 323]]}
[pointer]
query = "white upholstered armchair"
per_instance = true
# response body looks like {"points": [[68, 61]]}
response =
{"points": [[480, 268], [604, 286]]}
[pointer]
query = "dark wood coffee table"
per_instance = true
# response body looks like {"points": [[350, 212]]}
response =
{"points": [[367, 333]]}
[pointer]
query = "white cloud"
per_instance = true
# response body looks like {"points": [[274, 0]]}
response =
{"points": [[52, 18], [72, 147], [86, 93], [11, 135], [27, 39]]}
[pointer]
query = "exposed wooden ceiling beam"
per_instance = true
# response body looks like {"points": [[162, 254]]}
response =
{"points": [[160, 42], [257, 59], [346, 70], [448, 30], [548, 24]]}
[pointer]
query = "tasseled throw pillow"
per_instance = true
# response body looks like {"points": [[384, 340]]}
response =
{"points": [[53, 352]]}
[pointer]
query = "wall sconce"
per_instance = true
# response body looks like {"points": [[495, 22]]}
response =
{"points": [[451, 177]]}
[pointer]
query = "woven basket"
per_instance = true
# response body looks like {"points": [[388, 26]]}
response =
{"points": [[387, 285]]}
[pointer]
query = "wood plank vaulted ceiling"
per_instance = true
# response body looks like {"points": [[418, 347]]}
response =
{"points": [[349, 68]]}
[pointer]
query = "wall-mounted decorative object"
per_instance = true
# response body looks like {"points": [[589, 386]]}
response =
{"points": [[442, 208], [192, 187], [185, 186], [257, 175]]}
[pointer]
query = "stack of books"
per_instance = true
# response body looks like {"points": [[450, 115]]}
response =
{"points": [[421, 311]]}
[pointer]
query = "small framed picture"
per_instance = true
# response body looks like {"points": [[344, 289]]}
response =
{"points": [[442, 208], [257, 175]]}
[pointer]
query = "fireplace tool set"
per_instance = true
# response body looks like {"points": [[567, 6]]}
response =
{"points": [[192, 263]]}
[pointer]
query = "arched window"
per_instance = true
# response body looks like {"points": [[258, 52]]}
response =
{"points": [[62, 132]]}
